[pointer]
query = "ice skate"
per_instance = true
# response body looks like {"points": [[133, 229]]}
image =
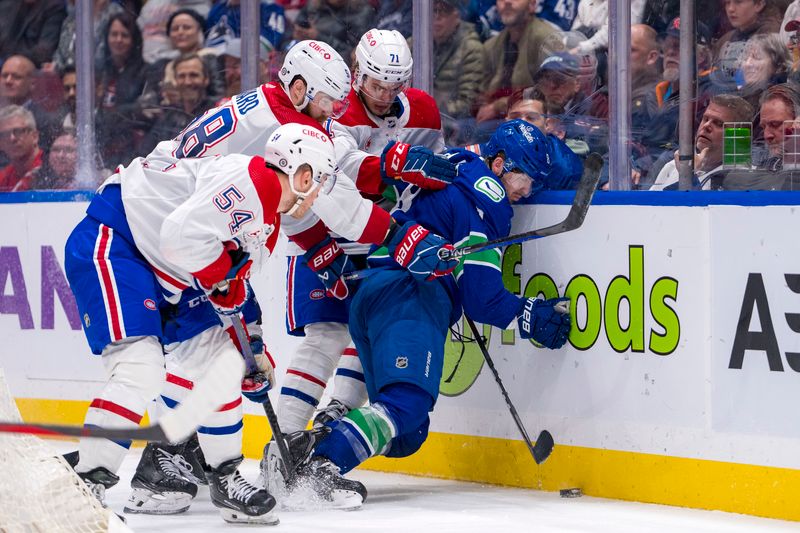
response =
{"points": [[333, 411], [319, 483], [160, 484], [98, 480], [300, 445], [237, 499]]}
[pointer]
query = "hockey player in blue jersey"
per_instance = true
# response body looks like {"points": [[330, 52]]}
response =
{"points": [[399, 320]]}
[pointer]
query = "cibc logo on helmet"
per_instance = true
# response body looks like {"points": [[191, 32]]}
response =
{"points": [[315, 46]]}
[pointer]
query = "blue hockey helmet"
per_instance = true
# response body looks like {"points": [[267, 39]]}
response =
{"points": [[525, 149]]}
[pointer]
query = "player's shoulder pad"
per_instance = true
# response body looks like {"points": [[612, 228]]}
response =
{"points": [[483, 189], [423, 109]]}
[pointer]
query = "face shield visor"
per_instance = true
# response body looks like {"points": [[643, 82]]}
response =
{"points": [[332, 107], [382, 92]]}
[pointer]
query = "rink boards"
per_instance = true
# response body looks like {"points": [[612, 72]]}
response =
{"points": [[679, 385]]}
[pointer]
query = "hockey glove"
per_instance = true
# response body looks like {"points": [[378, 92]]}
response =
{"points": [[256, 386], [416, 165], [546, 322], [330, 264], [417, 250], [229, 295]]}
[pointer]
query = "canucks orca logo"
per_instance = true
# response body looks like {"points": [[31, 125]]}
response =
{"points": [[490, 188]]}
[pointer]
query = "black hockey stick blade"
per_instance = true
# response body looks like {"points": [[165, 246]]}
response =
{"points": [[574, 219], [154, 432], [543, 447]]}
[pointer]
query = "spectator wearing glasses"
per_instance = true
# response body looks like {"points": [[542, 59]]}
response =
{"points": [[17, 79], [19, 140], [60, 161], [707, 143]]}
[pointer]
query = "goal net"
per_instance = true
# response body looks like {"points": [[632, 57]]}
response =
{"points": [[39, 491]]}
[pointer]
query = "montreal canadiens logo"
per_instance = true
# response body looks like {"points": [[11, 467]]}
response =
{"points": [[150, 304], [317, 294]]}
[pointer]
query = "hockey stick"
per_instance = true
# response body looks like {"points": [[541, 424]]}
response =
{"points": [[272, 418], [544, 443], [574, 219]]}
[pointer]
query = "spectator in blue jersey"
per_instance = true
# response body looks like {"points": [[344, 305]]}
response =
{"points": [[395, 15], [224, 22], [483, 14], [340, 23], [559, 13], [402, 370]]}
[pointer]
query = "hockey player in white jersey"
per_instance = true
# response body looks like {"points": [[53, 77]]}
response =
{"points": [[374, 142], [314, 85], [154, 232]]}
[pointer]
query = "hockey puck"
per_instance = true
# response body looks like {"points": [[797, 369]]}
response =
{"points": [[570, 493]]}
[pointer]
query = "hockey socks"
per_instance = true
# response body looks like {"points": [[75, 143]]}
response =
{"points": [[361, 434]]}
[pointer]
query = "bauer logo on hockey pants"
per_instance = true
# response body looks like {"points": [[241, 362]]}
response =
{"points": [[401, 362]]}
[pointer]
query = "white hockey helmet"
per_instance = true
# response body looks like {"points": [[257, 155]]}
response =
{"points": [[323, 70], [293, 145], [385, 56]]}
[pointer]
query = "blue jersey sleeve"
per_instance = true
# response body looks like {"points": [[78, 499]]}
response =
{"points": [[478, 276]]}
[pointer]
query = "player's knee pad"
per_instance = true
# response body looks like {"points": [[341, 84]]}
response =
{"points": [[408, 443], [407, 404], [137, 364]]}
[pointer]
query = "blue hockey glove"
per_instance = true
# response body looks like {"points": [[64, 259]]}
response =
{"points": [[416, 165], [256, 386], [330, 264], [546, 322], [417, 250]]}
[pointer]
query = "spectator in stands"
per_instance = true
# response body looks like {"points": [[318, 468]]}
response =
{"points": [[559, 13], [707, 144], [185, 30], [483, 14], [120, 82], [513, 56], [765, 63], [395, 15], [340, 23], [792, 42], [65, 115], [19, 140], [529, 104], [779, 104], [153, 20], [64, 55], [191, 78], [645, 74], [458, 69], [16, 88], [663, 132], [31, 28], [60, 162], [748, 18], [592, 20], [224, 23]]}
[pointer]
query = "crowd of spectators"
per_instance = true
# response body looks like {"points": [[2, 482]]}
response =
{"points": [[159, 63]]}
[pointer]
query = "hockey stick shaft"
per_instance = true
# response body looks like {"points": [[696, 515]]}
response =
{"points": [[272, 417], [544, 444], [154, 432], [574, 219]]}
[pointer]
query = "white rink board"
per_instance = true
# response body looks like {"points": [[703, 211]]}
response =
{"points": [[687, 403]]}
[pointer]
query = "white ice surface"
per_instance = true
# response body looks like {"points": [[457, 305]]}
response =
{"points": [[409, 504]]}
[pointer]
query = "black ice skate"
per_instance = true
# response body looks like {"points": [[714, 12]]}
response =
{"points": [[161, 484], [300, 445], [333, 411], [98, 480], [238, 500], [325, 487]]}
